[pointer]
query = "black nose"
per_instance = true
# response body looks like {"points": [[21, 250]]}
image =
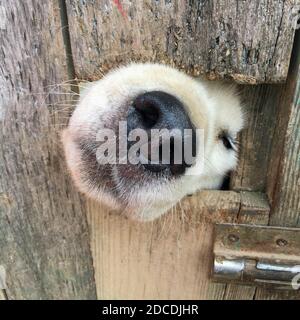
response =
{"points": [[160, 110]]}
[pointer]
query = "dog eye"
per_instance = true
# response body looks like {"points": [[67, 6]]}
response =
{"points": [[227, 141]]}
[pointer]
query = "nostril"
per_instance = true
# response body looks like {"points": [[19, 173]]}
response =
{"points": [[147, 109]]}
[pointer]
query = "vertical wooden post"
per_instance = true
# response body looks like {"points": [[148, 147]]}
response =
{"points": [[284, 168], [44, 237], [261, 106]]}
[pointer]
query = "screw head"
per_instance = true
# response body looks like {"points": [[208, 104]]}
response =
{"points": [[233, 238], [281, 242]]}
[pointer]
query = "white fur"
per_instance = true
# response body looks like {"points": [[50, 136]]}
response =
{"points": [[211, 106]]}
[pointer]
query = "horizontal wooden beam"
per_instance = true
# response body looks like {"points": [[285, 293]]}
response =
{"points": [[249, 41]]}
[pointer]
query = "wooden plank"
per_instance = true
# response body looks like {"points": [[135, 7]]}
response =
{"points": [[284, 171], [255, 208], [261, 106], [239, 292], [43, 230], [165, 259], [249, 41]]}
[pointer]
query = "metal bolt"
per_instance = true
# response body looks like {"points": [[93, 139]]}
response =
{"points": [[281, 242], [233, 238]]}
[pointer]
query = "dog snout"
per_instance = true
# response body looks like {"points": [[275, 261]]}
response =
{"points": [[171, 144]]}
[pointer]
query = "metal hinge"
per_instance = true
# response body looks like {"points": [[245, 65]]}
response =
{"points": [[257, 255]]}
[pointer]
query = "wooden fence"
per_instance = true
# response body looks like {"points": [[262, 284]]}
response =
{"points": [[56, 244]]}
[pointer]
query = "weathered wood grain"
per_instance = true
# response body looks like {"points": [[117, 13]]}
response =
{"points": [[43, 231], [239, 292], [284, 168], [261, 105], [165, 259], [249, 41], [254, 209]]}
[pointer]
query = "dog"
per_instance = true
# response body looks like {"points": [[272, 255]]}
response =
{"points": [[151, 96]]}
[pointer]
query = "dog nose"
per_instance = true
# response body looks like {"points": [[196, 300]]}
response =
{"points": [[165, 113]]}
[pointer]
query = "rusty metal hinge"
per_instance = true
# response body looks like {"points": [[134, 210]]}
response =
{"points": [[258, 255]]}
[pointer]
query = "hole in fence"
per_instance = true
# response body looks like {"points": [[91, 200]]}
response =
{"points": [[226, 183]]}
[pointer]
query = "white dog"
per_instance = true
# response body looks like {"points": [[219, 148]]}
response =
{"points": [[152, 96]]}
